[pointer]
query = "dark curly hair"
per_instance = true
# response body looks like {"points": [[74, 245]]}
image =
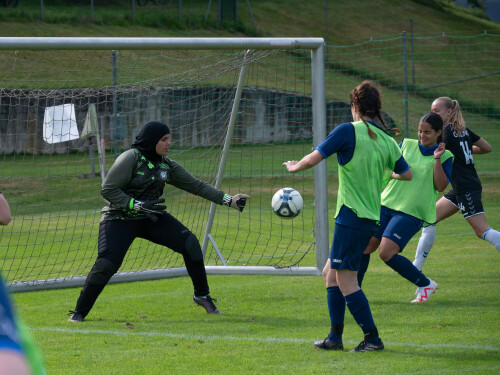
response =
{"points": [[366, 101]]}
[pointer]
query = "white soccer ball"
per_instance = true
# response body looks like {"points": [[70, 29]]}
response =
{"points": [[287, 203]]}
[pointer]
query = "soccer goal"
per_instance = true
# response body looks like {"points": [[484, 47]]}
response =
{"points": [[237, 108]]}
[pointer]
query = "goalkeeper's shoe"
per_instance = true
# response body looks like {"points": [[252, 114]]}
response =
{"points": [[328, 344], [366, 346], [75, 317], [425, 292], [208, 303]]}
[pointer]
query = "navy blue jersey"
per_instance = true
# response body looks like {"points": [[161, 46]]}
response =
{"points": [[342, 141], [464, 176], [9, 335]]}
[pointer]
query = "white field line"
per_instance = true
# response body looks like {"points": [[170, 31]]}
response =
{"points": [[246, 338]]}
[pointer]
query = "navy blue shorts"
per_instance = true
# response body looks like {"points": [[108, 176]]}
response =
{"points": [[397, 226], [468, 203], [347, 247]]}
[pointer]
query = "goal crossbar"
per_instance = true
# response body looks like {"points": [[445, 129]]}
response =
{"points": [[83, 43]]}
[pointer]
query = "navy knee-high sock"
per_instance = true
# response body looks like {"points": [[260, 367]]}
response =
{"points": [[363, 267], [336, 308], [406, 269], [360, 310]]}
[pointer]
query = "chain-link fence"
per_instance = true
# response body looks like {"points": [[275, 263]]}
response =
{"points": [[414, 71]]}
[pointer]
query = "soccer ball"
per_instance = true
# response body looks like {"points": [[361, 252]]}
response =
{"points": [[287, 203]]}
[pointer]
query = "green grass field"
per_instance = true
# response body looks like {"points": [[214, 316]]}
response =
{"points": [[268, 323]]}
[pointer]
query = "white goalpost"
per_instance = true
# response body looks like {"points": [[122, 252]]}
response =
{"points": [[237, 108]]}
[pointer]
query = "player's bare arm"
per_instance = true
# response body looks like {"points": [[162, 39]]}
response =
{"points": [[406, 176], [307, 162], [481, 147], [440, 179]]}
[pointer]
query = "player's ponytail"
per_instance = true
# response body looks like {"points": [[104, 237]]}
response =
{"points": [[456, 119], [365, 99]]}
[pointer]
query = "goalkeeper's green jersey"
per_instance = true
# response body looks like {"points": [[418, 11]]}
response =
{"points": [[418, 196], [362, 179], [134, 176]]}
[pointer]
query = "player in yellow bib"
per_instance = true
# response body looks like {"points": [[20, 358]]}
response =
{"points": [[365, 152], [406, 206]]}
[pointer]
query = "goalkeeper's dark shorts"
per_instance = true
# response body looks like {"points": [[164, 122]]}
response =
{"points": [[348, 246]]}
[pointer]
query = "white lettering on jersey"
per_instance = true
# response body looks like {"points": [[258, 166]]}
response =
{"points": [[467, 153], [463, 134]]}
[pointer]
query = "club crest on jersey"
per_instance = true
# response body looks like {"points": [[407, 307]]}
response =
{"points": [[164, 175]]}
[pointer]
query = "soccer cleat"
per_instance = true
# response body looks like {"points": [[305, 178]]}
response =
{"points": [[75, 317], [208, 303], [328, 344], [424, 293], [366, 346]]}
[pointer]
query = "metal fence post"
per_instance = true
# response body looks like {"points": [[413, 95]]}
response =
{"points": [[412, 55], [133, 11]]}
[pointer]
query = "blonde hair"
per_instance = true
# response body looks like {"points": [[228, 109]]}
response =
{"points": [[456, 119]]}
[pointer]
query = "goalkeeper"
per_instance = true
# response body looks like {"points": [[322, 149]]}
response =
{"points": [[133, 187]]}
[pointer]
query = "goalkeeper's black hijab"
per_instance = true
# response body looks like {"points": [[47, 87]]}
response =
{"points": [[148, 137]]}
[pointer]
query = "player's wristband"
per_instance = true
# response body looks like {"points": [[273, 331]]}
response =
{"points": [[226, 200], [437, 158]]}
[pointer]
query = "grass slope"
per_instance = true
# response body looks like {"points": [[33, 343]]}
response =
{"points": [[273, 18]]}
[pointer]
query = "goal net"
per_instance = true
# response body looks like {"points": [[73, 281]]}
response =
{"points": [[236, 110]]}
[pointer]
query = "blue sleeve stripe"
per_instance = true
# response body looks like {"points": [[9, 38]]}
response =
{"points": [[401, 166], [9, 344], [322, 152], [448, 167], [407, 169]]}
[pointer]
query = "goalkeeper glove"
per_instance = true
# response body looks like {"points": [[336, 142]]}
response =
{"points": [[237, 202], [149, 208]]}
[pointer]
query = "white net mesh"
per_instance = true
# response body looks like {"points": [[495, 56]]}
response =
{"points": [[53, 184]]}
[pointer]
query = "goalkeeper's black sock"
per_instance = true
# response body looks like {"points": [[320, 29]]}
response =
{"points": [[197, 273], [87, 298]]}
